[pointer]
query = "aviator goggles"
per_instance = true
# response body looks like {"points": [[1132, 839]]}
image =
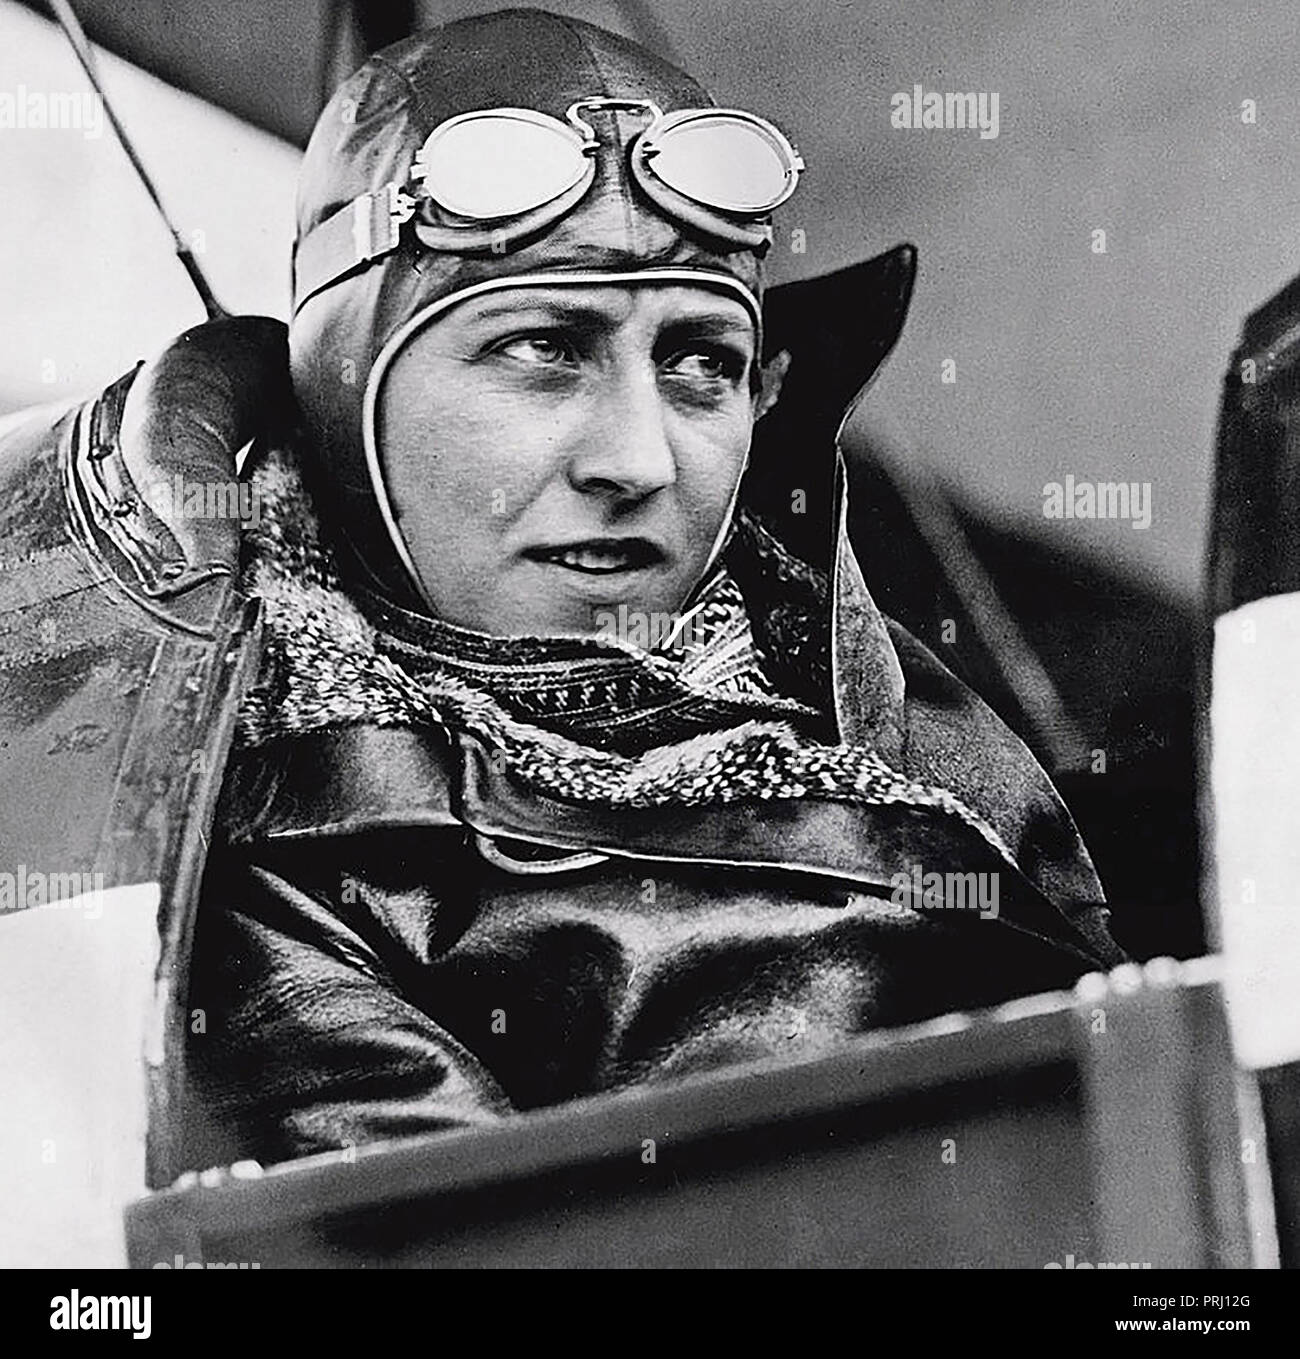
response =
{"points": [[483, 181]]}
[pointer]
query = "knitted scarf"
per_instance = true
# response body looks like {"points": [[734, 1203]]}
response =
{"points": [[695, 718]]}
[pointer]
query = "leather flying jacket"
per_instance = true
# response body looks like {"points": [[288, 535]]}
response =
{"points": [[393, 936]]}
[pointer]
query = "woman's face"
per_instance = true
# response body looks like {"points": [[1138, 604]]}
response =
{"points": [[552, 453]]}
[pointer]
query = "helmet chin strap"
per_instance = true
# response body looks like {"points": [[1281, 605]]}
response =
{"points": [[724, 533], [773, 376]]}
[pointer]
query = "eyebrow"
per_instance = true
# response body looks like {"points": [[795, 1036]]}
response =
{"points": [[585, 316]]}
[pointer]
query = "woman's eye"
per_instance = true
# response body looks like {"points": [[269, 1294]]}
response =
{"points": [[708, 365], [541, 350]]}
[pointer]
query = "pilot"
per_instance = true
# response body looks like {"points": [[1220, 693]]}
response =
{"points": [[560, 770]]}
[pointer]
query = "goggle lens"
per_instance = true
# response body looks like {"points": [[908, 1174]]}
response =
{"points": [[490, 166], [725, 163]]}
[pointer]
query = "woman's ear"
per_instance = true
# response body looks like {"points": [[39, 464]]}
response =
{"points": [[768, 388]]}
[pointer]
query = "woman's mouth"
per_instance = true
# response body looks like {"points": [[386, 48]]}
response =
{"points": [[600, 556]]}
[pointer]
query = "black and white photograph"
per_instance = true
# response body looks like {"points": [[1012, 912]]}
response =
{"points": [[643, 635]]}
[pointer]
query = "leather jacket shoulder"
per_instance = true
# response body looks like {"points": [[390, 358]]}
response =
{"points": [[125, 645]]}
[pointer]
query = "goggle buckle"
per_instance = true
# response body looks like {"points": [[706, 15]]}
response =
{"points": [[377, 220]]}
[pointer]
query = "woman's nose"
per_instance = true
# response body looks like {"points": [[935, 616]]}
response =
{"points": [[624, 448]]}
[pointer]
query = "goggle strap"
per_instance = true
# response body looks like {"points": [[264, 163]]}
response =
{"points": [[364, 230]]}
